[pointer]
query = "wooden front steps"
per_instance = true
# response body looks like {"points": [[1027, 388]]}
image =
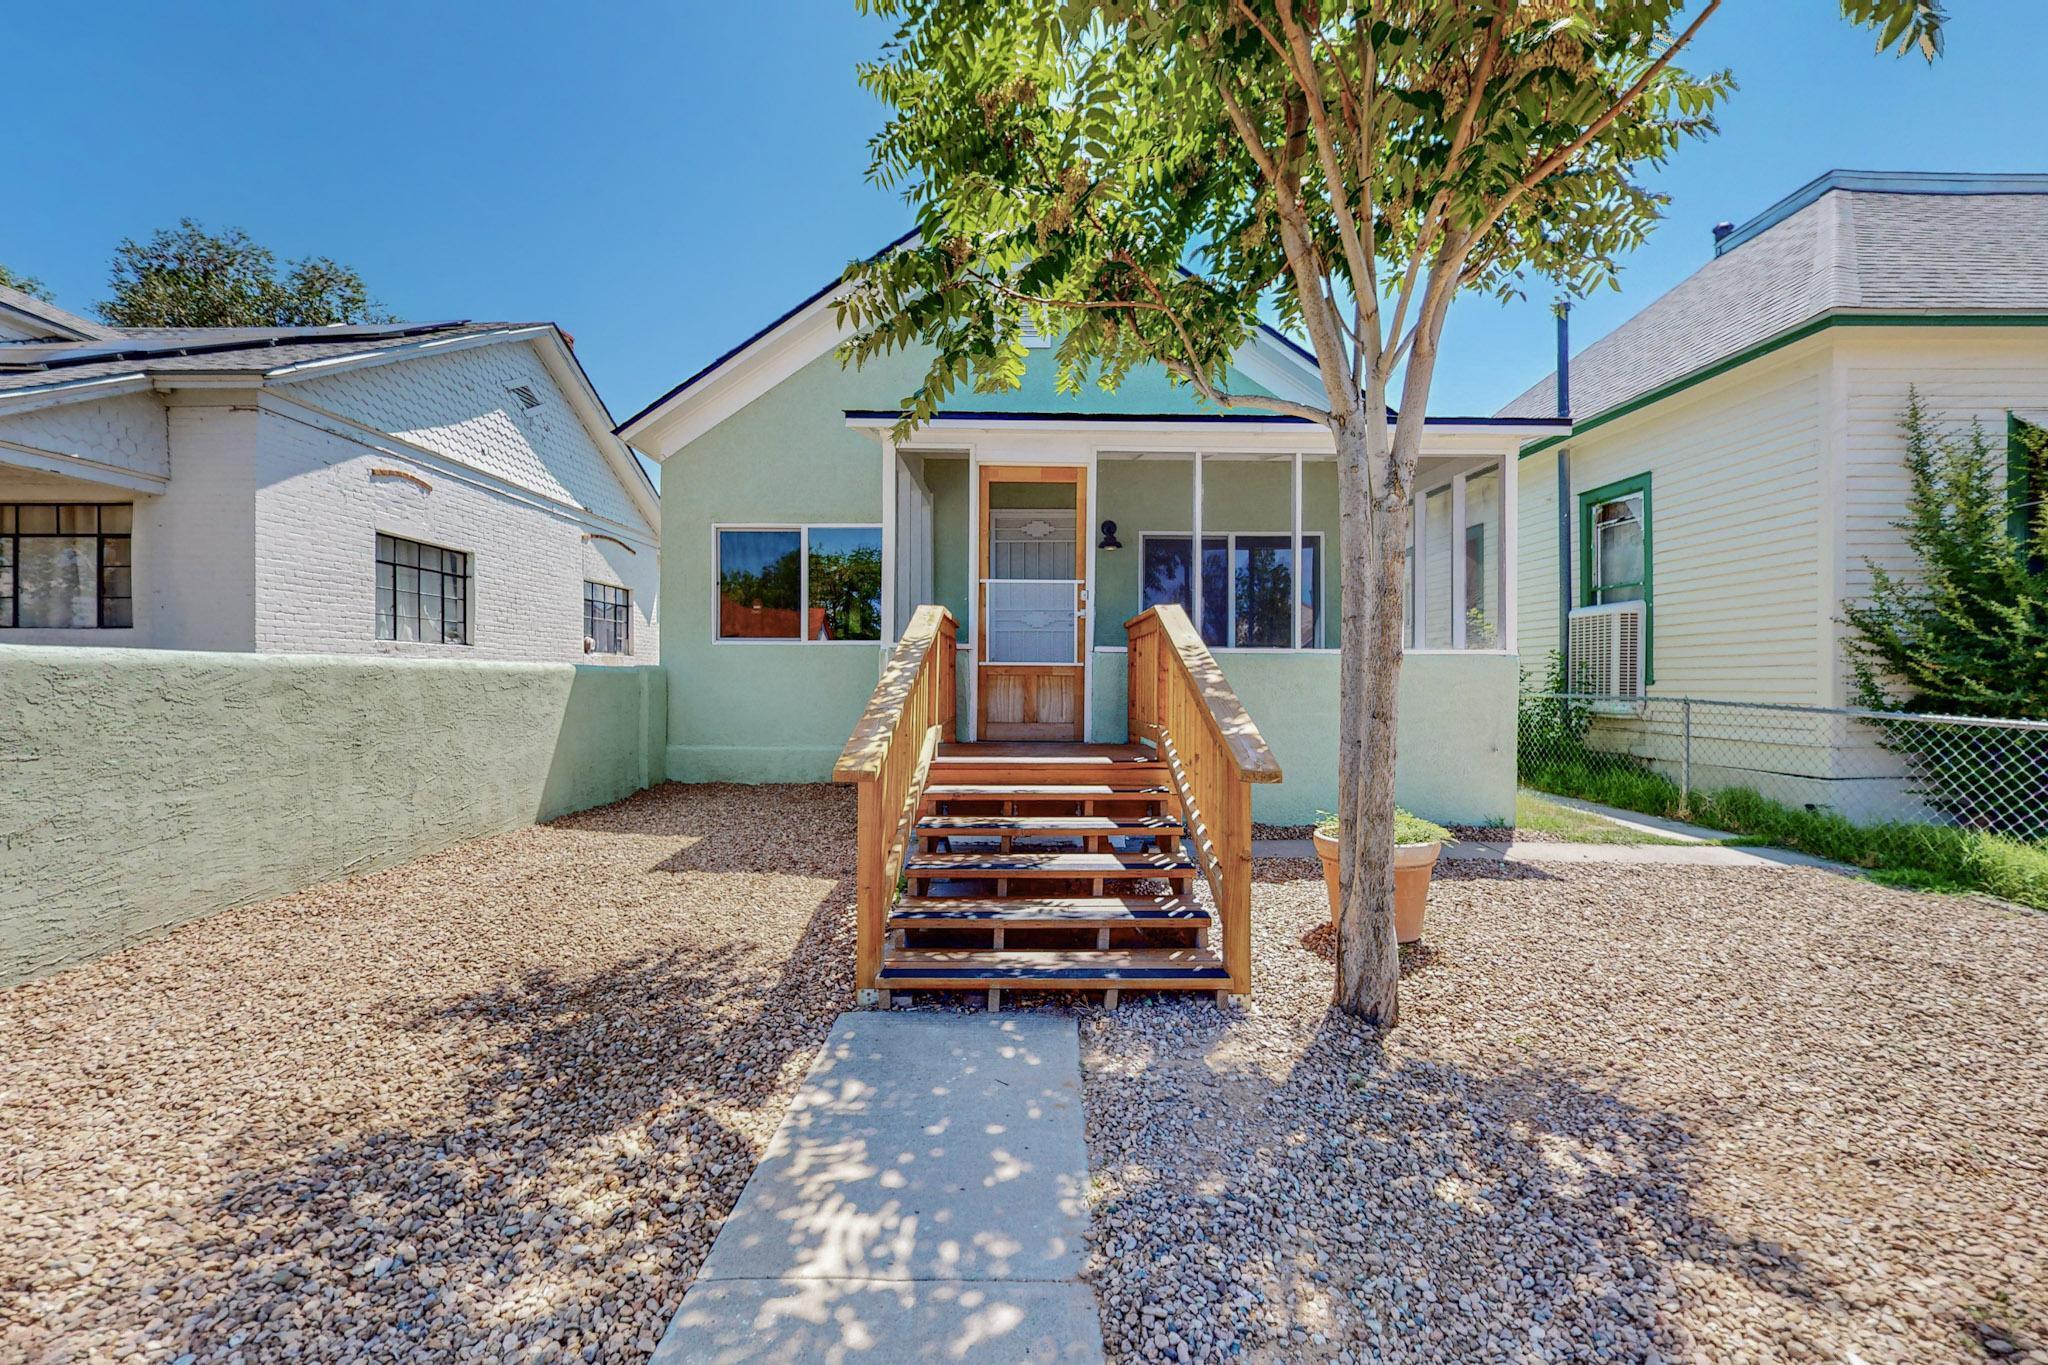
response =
{"points": [[1028, 867], [1028, 912], [1131, 968]]}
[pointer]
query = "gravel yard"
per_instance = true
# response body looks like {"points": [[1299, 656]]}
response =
{"points": [[1632, 1114], [492, 1103]]}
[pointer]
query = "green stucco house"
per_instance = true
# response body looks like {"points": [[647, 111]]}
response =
{"points": [[799, 535]]}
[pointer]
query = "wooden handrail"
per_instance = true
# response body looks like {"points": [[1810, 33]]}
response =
{"points": [[889, 759], [1181, 704]]}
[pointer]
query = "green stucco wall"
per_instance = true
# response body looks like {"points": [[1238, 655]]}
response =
{"points": [[757, 711], [1456, 739], [140, 789]]}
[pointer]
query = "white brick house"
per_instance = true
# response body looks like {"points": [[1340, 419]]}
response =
{"points": [[449, 490]]}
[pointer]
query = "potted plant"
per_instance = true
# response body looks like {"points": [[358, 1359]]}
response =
{"points": [[1417, 842]]}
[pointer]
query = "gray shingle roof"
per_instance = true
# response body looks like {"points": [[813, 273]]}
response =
{"points": [[30, 365], [1847, 242], [29, 309]]}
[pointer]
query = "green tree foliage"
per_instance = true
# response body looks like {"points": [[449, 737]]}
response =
{"points": [[27, 284], [1966, 633], [1148, 179], [189, 277]]}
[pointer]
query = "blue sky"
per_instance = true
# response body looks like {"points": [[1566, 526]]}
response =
{"points": [[663, 178]]}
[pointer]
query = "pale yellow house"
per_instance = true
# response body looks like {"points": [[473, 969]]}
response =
{"points": [[1735, 460]]}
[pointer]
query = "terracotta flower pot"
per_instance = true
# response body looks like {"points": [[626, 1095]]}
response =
{"points": [[1413, 865]]}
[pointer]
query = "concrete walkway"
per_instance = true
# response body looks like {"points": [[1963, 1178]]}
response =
{"points": [[923, 1199], [1681, 855]]}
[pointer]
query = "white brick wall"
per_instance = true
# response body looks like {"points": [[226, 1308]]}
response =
{"points": [[195, 582], [320, 505], [264, 538], [460, 405]]}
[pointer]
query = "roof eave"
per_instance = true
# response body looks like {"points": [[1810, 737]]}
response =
{"points": [[1834, 317]]}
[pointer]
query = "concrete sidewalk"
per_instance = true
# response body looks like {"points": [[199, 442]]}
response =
{"points": [[1681, 855], [923, 1199]]}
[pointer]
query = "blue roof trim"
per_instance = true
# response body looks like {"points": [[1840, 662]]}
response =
{"points": [[1880, 182], [969, 415]]}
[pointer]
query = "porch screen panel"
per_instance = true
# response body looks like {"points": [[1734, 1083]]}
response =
{"points": [[1166, 576], [1435, 576], [1480, 544]]}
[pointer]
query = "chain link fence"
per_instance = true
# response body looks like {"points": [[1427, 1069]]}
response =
{"points": [[1887, 771]]}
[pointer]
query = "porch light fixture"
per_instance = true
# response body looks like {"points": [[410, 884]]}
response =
{"points": [[1109, 540]]}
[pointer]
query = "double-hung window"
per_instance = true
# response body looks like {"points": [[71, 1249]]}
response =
{"points": [[422, 592], [799, 582], [66, 565], [1617, 554], [1249, 598], [607, 619], [1619, 564]]}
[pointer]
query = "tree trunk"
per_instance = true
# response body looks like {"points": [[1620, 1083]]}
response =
{"points": [[1374, 535]]}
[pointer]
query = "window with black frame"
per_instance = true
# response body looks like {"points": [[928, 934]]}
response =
{"points": [[422, 592], [66, 566], [607, 619]]}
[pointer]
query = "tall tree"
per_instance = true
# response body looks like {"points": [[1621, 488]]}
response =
{"points": [[1965, 633], [1144, 177], [189, 277], [27, 284]]}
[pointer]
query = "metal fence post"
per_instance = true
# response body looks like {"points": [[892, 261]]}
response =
{"points": [[1685, 758]]}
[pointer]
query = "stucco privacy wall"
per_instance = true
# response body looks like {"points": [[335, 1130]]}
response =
{"points": [[140, 789], [1456, 732]]}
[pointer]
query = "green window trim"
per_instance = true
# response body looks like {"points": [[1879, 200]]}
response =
{"points": [[2026, 469], [1588, 501]]}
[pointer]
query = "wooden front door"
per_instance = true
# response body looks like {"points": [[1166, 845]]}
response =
{"points": [[1031, 619]]}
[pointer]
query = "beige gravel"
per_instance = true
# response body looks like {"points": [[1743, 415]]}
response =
{"points": [[1631, 1114], [492, 1104]]}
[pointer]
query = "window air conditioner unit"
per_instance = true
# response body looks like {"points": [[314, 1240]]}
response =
{"points": [[1605, 652]]}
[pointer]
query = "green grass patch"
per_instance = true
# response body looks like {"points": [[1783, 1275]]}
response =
{"points": [[1534, 815], [1920, 856]]}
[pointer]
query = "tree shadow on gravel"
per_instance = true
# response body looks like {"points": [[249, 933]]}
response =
{"points": [[1395, 1204], [1461, 1212], [555, 1206]]}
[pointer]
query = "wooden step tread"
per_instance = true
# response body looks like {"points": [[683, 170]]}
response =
{"points": [[1028, 864], [1039, 791], [1099, 754], [1140, 825], [1157, 968], [953, 912]]}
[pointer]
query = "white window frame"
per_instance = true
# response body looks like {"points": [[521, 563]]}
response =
{"points": [[803, 530], [1229, 539]]}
